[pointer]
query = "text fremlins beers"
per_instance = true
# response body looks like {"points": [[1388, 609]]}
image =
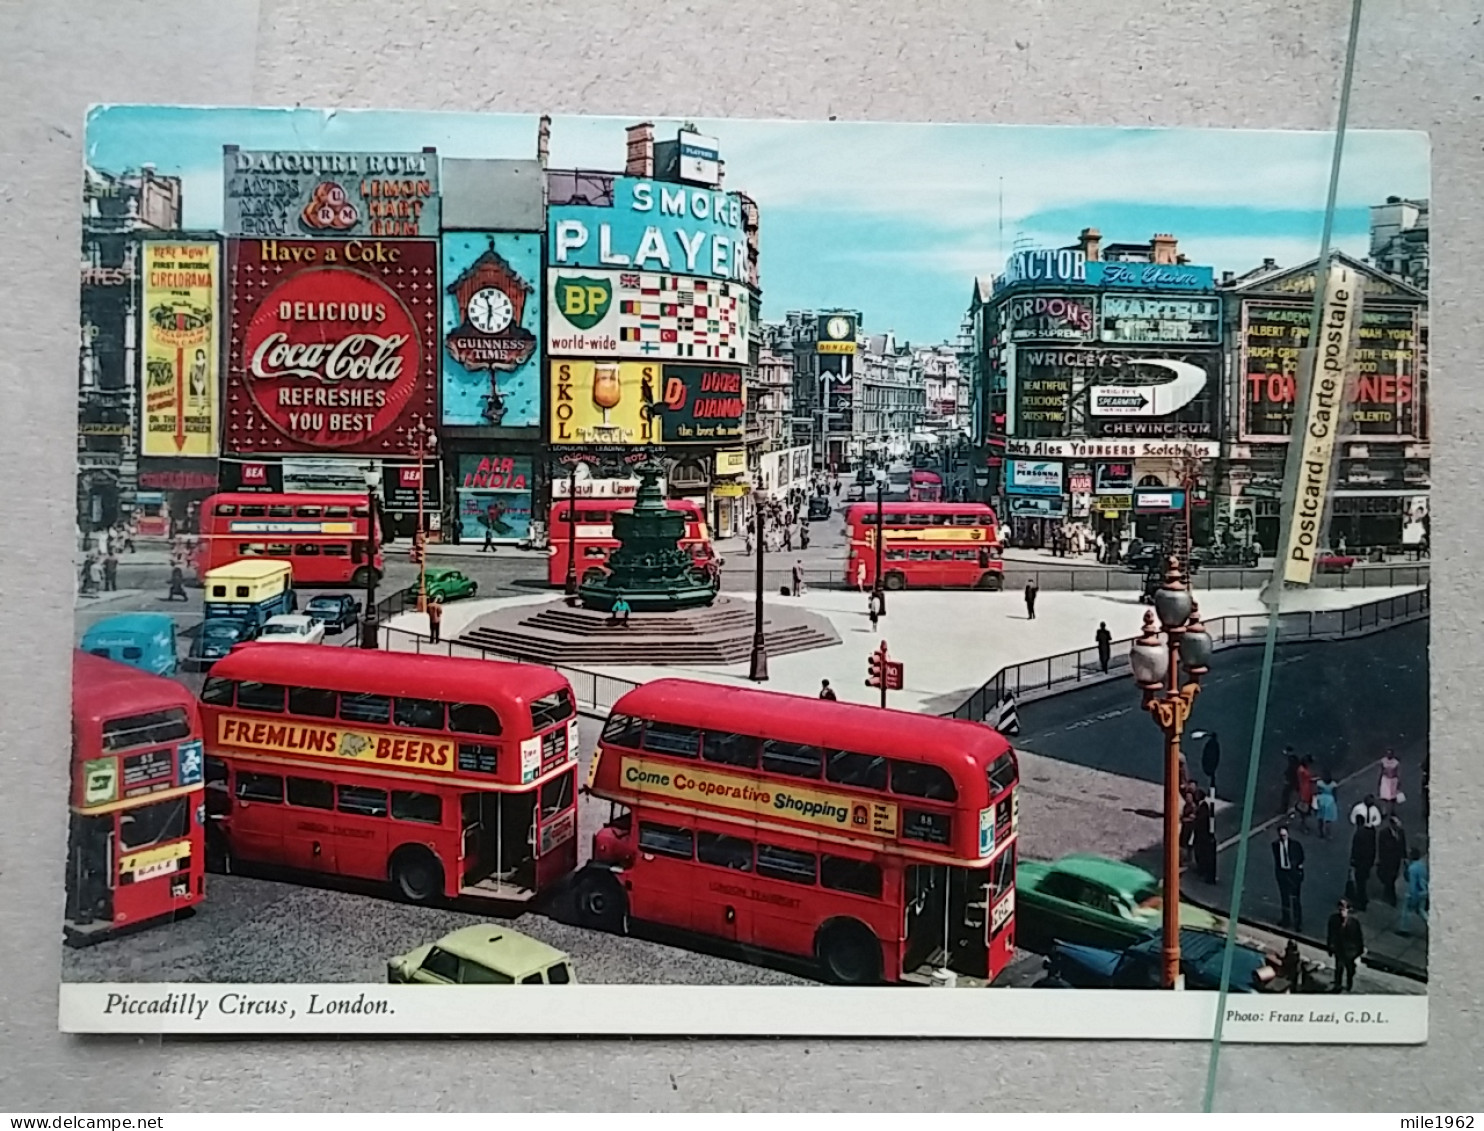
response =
{"points": [[332, 355]]}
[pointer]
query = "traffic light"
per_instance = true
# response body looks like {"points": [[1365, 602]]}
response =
{"points": [[417, 552], [876, 672]]}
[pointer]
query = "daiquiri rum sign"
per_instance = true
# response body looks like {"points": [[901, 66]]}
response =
{"points": [[333, 345]]}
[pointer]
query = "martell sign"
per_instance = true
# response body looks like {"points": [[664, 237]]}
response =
{"points": [[330, 345]]}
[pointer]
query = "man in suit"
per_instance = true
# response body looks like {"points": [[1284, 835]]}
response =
{"points": [[1346, 942], [1288, 869]]}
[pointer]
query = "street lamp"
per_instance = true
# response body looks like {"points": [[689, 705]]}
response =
{"points": [[878, 590], [368, 622], [571, 586], [758, 672], [1156, 669]]}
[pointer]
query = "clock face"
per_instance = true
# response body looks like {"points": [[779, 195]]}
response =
{"points": [[490, 310], [837, 327]]}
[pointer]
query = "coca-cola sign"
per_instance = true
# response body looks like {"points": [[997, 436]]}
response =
{"points": [[331, 345]]}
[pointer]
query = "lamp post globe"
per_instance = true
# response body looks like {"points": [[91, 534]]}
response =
{"points": [[1195, 645], [1149, 657], [1172, 599]]}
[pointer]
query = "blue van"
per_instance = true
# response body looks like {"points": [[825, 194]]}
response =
{"points": [[142, 640]]}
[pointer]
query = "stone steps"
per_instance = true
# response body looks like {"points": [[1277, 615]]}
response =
{"points": [[631, 646], [588, 623]]}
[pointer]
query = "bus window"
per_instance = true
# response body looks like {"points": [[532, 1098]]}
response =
{"points": [[730, 749], [149, 729], [425, 808], [858, 877], [260, 696], [279, 510], [1002, 774], [557, 795], [259, 787], [423, 714], [337, 512], [552, 709], [279, 549], [226, 509], [307, 549], [623, 730], [254, 512], [360, 800], [151, 824], [915, 779], [668, 738], [362, 707], [724, 851], [785, 864], [337, 550], [314, 701], [666, 840], [218, 692], [792, 758], [309, 512], [861, 770], [311, 793], [942, 555], [473, 718]]}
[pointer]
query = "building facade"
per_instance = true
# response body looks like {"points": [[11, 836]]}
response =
{"points": [[825, 346], [1097, 376], [892, 406]]}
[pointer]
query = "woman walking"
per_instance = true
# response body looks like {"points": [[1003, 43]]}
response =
{"points": [[1305, 779], [1389, 788], [1326, 806]]}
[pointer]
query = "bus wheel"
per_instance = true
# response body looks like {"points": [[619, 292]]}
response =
{"points": [[417, 875], [601, 903], [361, 577], [895, 581], [848, 953], [992, 581]]}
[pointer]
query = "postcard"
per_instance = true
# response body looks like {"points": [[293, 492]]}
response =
{"points": [[748, 577]]}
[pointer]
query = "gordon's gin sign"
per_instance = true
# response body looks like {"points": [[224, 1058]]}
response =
{"points": [[330, 345]]}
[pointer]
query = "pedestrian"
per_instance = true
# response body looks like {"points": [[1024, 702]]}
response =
{"points": [[177, 585], [1362, 860], [489, 532], [1417, 892], [747, 543], [860, 576], [1105, 645], [1389, 788], [826, 691], [788, 538], [1290, 780], [1367, 810], [87, 583], [873, 610], [1205, 836], [621, 611], [1326, 807], [1391, 852], [803, 535], [1345, 941], [435, 620], [1288, 870], [1210, 760], [1031, 589], [1187, 823], [111, 572], [1305, 791], [798, 578]]}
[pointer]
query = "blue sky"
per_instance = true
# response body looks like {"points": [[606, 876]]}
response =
{"points": [[892, 219]]}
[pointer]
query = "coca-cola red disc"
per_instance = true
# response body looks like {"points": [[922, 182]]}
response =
{"points": [[329, 345]]}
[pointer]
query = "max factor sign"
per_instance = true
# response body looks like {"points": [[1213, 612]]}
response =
{"points": [[1322, 419]]}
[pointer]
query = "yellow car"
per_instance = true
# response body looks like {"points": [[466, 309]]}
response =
{"points": [[486, 954]]}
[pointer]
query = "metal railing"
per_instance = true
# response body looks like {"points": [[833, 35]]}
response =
{"points": [[1071, 668]]}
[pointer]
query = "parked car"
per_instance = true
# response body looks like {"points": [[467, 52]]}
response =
{"points": [[336, 612], [1328, 561], [446, 585], [1140, 966], [484, 954], [1140, 555], [293, 628], [819, 508], [216, 637], [1094, 901], [855, 492]]}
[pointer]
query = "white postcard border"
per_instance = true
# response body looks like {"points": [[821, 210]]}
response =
{"points": [[272, 1009]]}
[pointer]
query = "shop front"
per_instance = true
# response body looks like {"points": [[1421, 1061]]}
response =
{"points": [[729, 513]]}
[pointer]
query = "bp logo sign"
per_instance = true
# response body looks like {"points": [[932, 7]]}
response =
{"points": [[584, 301]]}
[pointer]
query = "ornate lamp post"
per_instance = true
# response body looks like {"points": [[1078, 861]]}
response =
{"points": [[369, 634], [1156, 669], [571, 586], [758, 672], [878, 590]]}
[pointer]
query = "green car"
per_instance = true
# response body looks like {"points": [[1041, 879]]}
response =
{"points": [[1094, 901], [486, 954], [448, 585]]}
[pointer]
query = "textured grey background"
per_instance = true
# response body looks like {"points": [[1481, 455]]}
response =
{"points": [[1252, 63]]}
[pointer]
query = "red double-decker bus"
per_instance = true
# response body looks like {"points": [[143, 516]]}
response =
{"points": [[879, 843], [441, 776], [329, 539], [925, 487], [136, 839], [594, 535], [928, 546]]}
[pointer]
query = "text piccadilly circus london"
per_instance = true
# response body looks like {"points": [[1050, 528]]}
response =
{"points": [[1326, 400]]}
